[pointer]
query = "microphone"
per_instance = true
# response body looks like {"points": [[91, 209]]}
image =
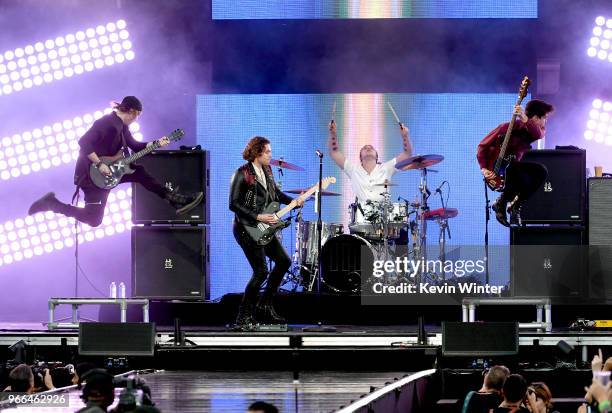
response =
{"points": [[319, 153], [439, 188]]}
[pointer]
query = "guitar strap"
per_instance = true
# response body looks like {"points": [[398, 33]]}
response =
{"points": [[126, 151]]}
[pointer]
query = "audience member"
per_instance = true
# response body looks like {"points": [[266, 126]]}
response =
{"points": [[489, 395]]}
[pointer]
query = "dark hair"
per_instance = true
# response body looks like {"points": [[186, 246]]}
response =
{"points": [[538, 108], [254, 148], [264, 407], [98, 386], [21, 378], [515, 388], [61, 377], [496, 377]]}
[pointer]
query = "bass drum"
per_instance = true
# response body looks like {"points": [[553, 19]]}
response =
{"points": [[342, 258]]}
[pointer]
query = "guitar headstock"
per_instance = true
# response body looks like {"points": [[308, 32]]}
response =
{"points": [[327, 181], [524, 87], [176, 135]]}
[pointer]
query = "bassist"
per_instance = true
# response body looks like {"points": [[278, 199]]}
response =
{"points": [[107, 136], [252, 189], [522, 179]]}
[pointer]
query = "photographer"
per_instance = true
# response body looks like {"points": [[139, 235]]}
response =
{"points": [[21, 379]]}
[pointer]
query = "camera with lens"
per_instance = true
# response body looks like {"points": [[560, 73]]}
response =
{"points": [[135, 393]]}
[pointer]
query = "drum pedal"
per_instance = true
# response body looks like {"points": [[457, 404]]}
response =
{"points": [[271, 328]]}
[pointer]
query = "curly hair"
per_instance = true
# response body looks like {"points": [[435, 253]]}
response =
{"points": [[538, 108], [254, 148]]}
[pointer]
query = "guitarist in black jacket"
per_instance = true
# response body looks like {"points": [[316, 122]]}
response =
{"points": [[252, 189], [107, 136]]}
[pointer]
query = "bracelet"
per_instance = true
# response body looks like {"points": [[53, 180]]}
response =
{"points": [[97, 164], [604, 406]]}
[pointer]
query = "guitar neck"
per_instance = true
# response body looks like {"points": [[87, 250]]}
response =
{"points": [[504, 147], [293, 204], [134, 157]]}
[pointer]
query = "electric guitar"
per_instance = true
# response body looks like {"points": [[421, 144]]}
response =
{"points": [[119, 164], [263, 233], [498, 181]]}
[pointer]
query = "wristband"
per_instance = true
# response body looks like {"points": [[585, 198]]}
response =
{"points": [[604, 406], [97, 164]]}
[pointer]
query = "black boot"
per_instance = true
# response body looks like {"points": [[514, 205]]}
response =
{"points": [[183, 202], [267, 314], [47, 202], [245, 321], [515, 213], [499, 207]]}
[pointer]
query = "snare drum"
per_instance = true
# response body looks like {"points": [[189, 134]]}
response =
{"points": [[342, 258], [306, 239]]}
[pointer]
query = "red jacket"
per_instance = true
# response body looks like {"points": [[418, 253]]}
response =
{"points": [[523, 135]]}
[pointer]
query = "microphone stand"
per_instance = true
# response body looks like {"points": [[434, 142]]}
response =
{"points": [[486, 236], [319, 222]]}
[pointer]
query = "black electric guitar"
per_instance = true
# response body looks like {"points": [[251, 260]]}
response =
{"points": [[498, 181], [119, 164], [262, 233]]}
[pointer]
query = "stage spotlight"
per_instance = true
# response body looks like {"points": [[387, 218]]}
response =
{"points": [[599, 44], [51, 145], [599, 124], [63, 54], [46, 232]]}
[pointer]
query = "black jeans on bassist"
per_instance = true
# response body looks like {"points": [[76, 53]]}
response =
{"points": [[256, 255], [523, 179]]}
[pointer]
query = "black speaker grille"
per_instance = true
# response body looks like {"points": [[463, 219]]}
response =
{"points": [[116, 339], [479, 339]]}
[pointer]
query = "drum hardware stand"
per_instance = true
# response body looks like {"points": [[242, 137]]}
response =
{"points": [[444, 228], [318, 195], [486, 235]]}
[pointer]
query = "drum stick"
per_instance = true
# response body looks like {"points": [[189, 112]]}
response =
{"points": [[333, 117], [394, 114]]}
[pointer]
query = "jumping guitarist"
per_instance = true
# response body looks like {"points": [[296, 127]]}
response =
{"points": [[108, 137], [518, 180], [252, 189]]}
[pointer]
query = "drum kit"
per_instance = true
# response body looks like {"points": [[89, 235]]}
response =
{"points": [[376, 228]]}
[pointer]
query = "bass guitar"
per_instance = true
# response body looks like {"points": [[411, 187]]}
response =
{"points": [[498, 181], [262, 233], [119, 164]]}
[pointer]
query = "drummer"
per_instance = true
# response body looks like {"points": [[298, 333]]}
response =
{"points": [[370, 172]]}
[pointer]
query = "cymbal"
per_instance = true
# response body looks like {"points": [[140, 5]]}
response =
{"points": [[386, 183], [299, 191], [285, 165], [419, 162], [441, 213]]}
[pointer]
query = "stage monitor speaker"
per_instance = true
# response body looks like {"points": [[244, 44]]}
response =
{"points": [[116, 339], [561, 199], [170, 263], [548, 262], [480, 339], [600, 238], [186, 170]]}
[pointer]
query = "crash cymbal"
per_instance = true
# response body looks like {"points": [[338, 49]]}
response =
{"points": [[285, 165], [299, 191], [441, 213], [419, 162]]}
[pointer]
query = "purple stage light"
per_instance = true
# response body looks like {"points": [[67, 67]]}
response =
{"points": [[63, 57], [601, 41], [46, 232], [51, 145], [599, 125]]}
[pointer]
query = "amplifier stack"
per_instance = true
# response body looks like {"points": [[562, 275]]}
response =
{"points": [[547, 254], [170, 253]]}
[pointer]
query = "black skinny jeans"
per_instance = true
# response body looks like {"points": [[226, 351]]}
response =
{"points": [[523, 179]]}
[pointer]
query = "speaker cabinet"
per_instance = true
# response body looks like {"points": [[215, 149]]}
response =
{"points": [[170, 263], [116, 339], [600, 238], [186, 170], [548, 262], [480, 339], [561, 199]]}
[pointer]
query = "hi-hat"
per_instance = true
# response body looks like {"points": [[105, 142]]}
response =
{"points": [[299, 191], [419, 162], [285, 165], [386, 183]]}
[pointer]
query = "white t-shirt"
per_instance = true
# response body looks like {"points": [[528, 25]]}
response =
{"points": [[363, 183]]}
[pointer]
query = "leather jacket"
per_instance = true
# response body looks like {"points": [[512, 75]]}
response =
{"points": [[248, 197]]}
